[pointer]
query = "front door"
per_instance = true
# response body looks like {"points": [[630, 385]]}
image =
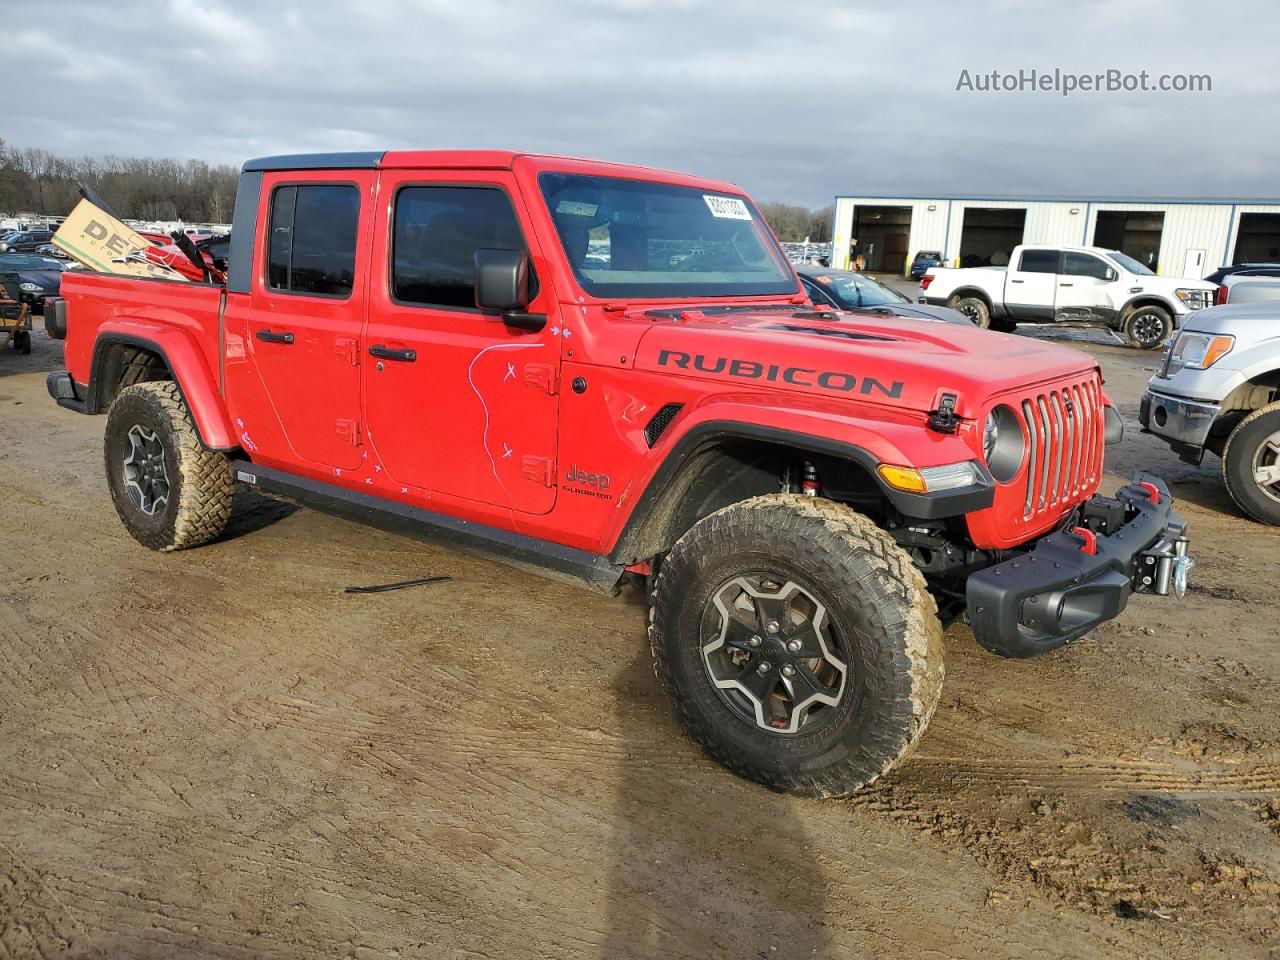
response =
{"points": [[1029, 284], [1084, 288], [307, 309], [457, 402]]}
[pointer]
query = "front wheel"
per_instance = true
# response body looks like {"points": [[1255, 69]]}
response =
{"points": [[1251, 464], [1147, 328], [169, 491], [798, 643]]}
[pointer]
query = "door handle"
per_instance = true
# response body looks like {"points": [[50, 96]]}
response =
{"points": [[1017, 281], [270, 336], [393, 353], [1066, 284]]}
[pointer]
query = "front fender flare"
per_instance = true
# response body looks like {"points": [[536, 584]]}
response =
{"points": [[864, 442], [182, 355]]}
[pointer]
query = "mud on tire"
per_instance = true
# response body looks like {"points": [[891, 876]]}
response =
{"points": [[1253, 451], [878, 618], [169, 491]]}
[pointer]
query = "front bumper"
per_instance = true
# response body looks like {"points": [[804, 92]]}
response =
{"points": [[1181, 422], [1068, 583]]}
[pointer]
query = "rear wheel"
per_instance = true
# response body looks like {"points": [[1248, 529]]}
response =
{"points": [[22, 341], [1147, 328], [1251, 464], [169, 491], [975, 308], [798, 644]]}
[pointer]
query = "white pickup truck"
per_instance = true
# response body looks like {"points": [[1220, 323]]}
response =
{"points": [[1081, 285]]}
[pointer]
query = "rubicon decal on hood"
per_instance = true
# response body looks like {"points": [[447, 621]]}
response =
{"points": [[836, 381]]}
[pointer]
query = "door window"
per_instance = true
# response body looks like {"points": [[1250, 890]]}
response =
{"points": [[1083, 265], [312, 241], [1038, 261], [436, 234]]}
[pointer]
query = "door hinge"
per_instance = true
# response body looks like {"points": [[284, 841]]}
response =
{"points": [[349, 430], [348, 347], [539, 469], [541, 375]]}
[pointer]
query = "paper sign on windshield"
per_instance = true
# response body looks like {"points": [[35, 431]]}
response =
{"points": [[727, 208]]}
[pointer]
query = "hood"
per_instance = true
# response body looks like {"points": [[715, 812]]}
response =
{"points": [[894, 361], [921, 310], [1246, 321], [1172, 283], [45, 279]]}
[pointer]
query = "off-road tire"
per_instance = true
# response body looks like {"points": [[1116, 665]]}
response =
{"points": [[200, 485], [975, 308], [1237, 464], [876, 600], [1140, 327]]}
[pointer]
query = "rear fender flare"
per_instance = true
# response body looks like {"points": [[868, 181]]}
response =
{"points": [[185, 361]]}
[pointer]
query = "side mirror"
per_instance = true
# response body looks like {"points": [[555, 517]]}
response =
{"points": [[502, 283], [1112, 275]]}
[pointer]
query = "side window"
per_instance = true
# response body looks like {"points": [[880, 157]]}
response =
{"points": [[1083, 265], [1039, 261], [437, 231], [312, 244]]}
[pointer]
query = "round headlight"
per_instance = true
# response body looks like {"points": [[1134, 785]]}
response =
{"points": [[1003, 443]]}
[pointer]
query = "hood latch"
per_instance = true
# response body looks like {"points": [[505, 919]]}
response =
{"points": [[944, 419]]}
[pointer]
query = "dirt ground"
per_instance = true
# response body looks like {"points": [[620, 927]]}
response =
{"points": [[219, 754]]}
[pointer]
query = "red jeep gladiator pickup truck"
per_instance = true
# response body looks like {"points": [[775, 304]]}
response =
{"points": [[607, 371]]}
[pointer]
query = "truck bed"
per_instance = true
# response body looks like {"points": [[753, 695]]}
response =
{"points": [[135, 306]]}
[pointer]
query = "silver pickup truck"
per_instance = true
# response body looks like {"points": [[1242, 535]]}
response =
{"points": [[1219, 390]]}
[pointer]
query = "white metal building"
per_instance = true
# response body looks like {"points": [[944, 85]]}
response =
{"points": [[1188, 237]]}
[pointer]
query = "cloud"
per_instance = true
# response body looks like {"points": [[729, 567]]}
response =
{"points": [[796, 102]]}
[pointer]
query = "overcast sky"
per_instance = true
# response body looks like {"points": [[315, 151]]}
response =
{"points": [[796, 102]]}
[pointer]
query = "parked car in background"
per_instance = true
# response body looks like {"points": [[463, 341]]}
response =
{"points": [[847, 290], [1265, 269], [923, 261], [1219, 390], [1249, 287], [49, 250], [1080, 285], [25, 241], [38, 277]]}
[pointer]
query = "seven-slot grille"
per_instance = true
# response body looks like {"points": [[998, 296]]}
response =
{"points": [[1064, 443]]}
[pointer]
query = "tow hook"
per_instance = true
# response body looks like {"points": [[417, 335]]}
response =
{"points": [[1166, 567]]}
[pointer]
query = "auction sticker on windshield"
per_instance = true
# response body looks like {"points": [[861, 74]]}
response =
{"points": [[727, 208]]}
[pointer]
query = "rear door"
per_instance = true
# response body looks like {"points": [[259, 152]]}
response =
{"points": [[458, 402], [1030, 282], [307, 310], [1084, 288]]}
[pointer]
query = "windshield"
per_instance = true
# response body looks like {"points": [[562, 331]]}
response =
{"points": [[634, 238], [852, 290], [1130, 264]]}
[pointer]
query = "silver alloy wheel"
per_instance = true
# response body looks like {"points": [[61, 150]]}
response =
{"points": [[1266, 466], [772, 657], [145, 476], [1147, 328]]}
